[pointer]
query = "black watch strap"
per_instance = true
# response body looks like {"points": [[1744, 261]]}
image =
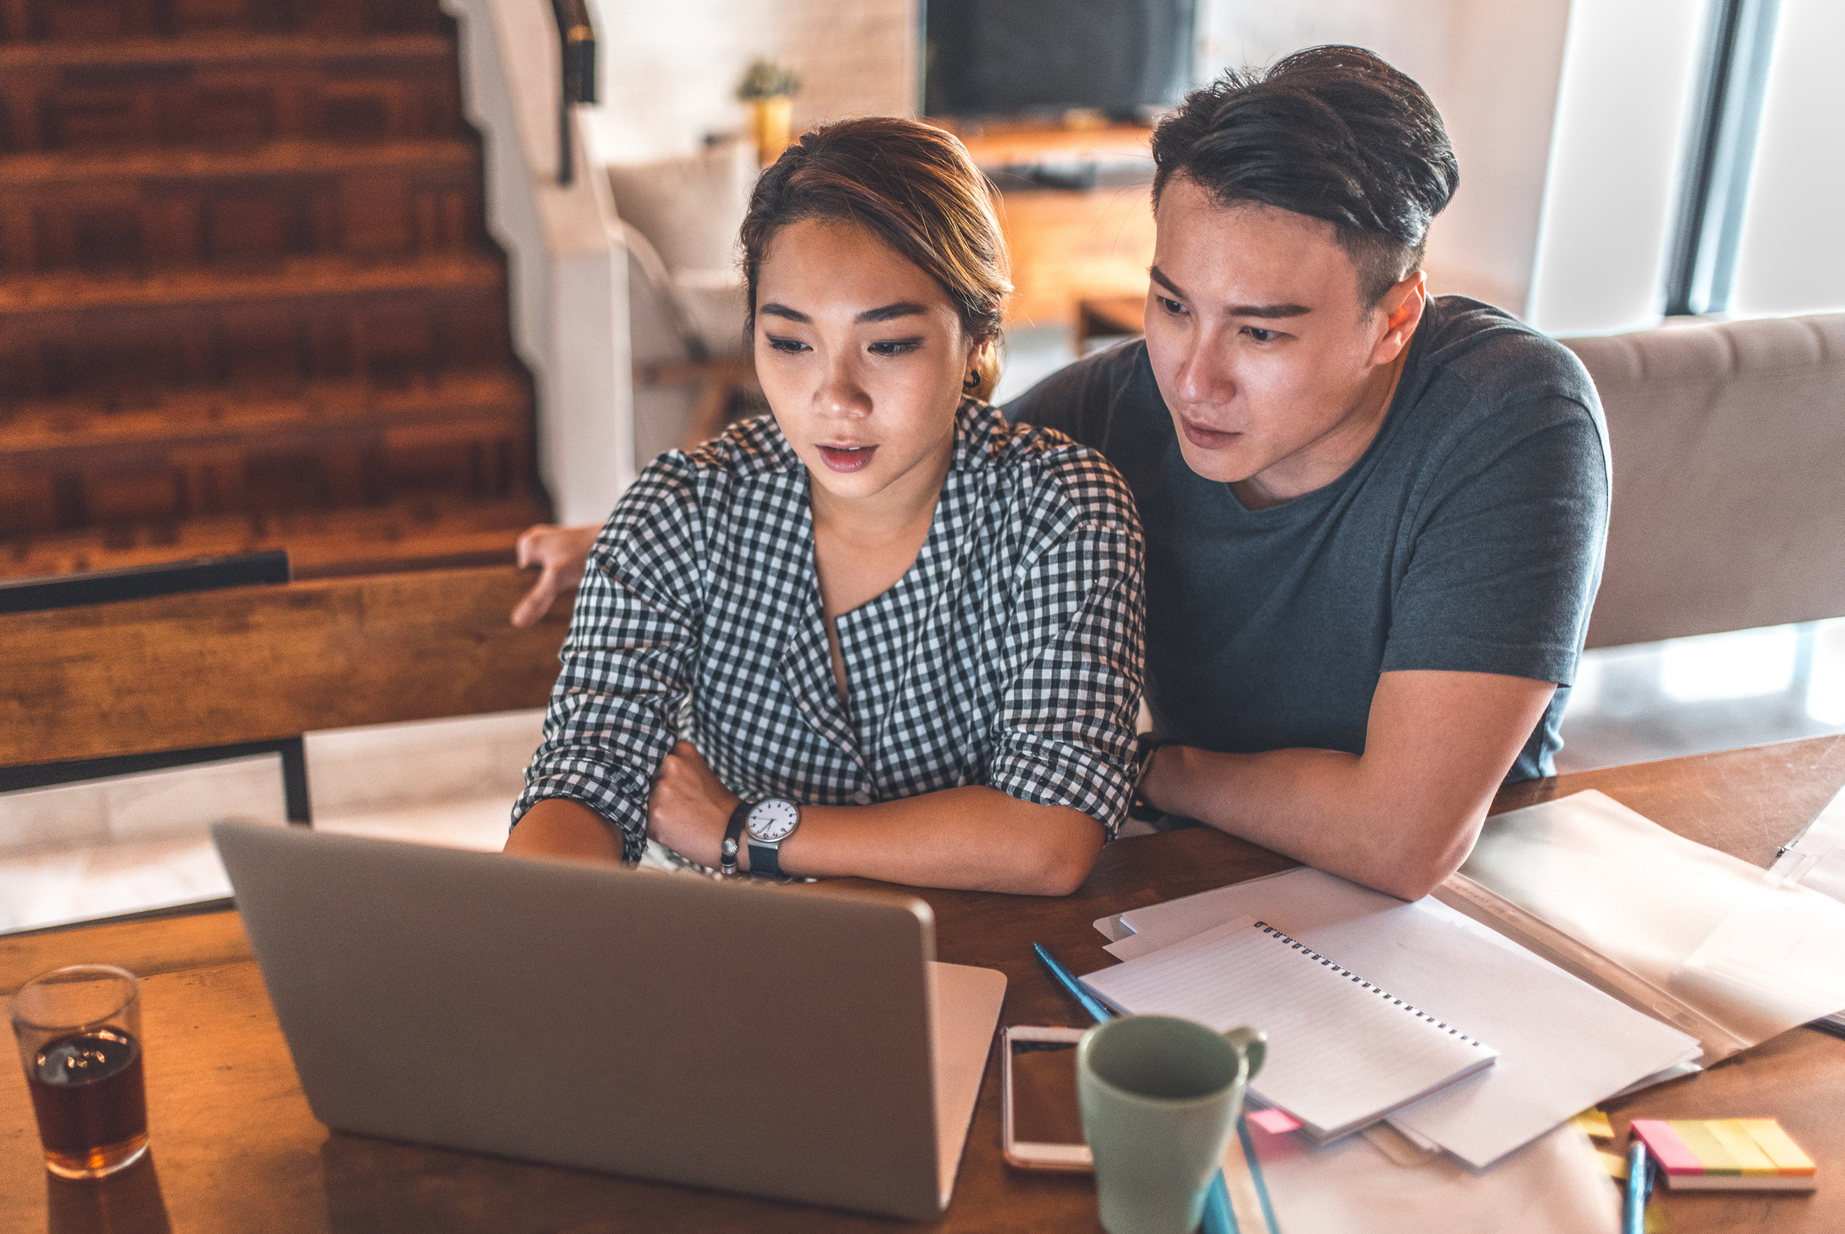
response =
{"points": [[763, 860], [727, 852]]}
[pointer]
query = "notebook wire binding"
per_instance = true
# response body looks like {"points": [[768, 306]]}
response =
{"points": [[1310, 953]]}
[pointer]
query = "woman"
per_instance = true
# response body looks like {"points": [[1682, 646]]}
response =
{"points": [[878, 632]]}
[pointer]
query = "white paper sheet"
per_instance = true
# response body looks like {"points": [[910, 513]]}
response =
{"points": [[1563, 1045]]}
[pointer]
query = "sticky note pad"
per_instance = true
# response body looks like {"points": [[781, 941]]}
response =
{"points": [[1733, 1153]]}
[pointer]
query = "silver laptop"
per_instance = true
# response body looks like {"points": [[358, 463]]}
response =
{"points": [[789, 1042]]}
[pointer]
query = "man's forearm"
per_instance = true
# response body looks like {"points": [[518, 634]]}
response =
{"points": [[1400, 817], [1316, 807]]}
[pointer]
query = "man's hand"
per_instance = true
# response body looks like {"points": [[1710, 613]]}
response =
{"points": [[688, 809], [561, 554], [1400, 817]]}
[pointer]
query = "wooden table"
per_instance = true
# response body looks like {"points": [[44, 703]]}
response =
{"points": [[235, 1148]]}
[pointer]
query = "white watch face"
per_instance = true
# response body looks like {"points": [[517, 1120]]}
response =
{"points": [[772, 821]]}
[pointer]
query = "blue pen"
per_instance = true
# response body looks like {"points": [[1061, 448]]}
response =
{"points": [[1639, 1188], [1097, 1010], [1219, 1217]]}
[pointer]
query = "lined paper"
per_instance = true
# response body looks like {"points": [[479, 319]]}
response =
{"points": [[1341, 1052]]}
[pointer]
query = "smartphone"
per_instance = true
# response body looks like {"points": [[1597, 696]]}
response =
{"points": [[1040, 1125]]}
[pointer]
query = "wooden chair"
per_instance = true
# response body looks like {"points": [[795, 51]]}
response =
{"points": [[169, 679]]}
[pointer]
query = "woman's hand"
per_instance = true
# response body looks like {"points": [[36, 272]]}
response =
{"points": [[560, 553], [688, 809]]}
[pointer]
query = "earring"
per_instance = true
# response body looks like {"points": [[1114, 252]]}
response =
{"points": [[972, 382]]}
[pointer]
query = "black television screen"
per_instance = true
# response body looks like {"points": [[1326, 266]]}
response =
{"points": [[1005, 57]]}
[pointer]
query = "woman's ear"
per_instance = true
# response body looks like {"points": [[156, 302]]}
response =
{"points": [[985, 363]]}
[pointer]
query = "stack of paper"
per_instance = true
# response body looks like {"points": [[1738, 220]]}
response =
{"points": [[1563, 1045], [1727, 1154]]}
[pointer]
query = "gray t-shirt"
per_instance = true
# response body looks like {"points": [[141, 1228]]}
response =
{"points": [[1468, 537]]}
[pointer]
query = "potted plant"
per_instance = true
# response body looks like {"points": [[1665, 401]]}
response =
{"points": [[769, 89]]}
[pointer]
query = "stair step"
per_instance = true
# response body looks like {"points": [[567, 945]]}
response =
{"points": [[97, 20], [306, 320], [196, 455], [179, 55], [288, 279], [227, 92], [176, 169], [42, 434], [416, 534], [134, 217]]}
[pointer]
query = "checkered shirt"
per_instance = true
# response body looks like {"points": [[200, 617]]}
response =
{"points": [[1008, 655]]}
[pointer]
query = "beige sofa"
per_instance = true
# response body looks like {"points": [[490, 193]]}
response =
{"points": [[1728, 441]]}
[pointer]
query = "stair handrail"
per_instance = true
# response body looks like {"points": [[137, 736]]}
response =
{"points": [[576, 36]]}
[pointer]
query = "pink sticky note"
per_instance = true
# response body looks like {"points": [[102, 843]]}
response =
{"points": [[1275, 1122], [1664, 1143]]}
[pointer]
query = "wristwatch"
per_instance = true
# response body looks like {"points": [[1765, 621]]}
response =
{"points": [[727, 852], [768, 823]]}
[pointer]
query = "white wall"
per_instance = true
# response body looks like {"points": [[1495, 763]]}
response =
{"points": [[667, 69], [1491, 68]]}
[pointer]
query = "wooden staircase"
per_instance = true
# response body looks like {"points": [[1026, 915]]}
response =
{"points": [[247, 297]]}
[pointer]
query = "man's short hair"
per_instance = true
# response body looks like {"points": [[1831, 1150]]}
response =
{"points": [[1331, 132]]}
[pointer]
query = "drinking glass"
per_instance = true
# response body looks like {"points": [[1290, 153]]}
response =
{"points": [[79, 1033]]}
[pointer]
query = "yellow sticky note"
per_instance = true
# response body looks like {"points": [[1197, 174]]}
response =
{"points": [[1614, 1163], [1594, 1123], [1781, 1150], [1655, 1219], [1749, 1157], [1711, 1152]]}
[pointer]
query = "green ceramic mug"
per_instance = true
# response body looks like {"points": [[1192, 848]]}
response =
{"points": [[1160, 1097]]}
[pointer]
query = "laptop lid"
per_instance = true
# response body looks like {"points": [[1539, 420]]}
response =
{"points": [[777, 1041]]}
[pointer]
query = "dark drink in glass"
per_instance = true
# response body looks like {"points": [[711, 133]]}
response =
{"points": [[79, 1034], [90, 1101]]}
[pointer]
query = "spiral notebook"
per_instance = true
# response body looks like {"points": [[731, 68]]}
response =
{"points": [[1342, 1053]]}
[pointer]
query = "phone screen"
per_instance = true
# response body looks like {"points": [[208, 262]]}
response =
{"points": [[1044, 1109]]}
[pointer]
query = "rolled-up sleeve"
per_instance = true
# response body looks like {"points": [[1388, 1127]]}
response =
{"points": [[629, 657], [1066, 719]]}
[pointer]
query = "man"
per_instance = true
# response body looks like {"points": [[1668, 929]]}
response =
{"points": [[1374, 521]]}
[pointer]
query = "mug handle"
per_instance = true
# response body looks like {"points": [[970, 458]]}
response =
{"points": [[1252, 1044]]}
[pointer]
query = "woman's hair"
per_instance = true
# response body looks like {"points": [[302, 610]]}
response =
{"points": [[913, 187]]}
